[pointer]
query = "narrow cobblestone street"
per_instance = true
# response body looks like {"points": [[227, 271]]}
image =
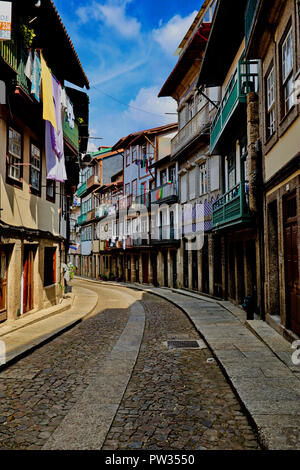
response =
{"points": [[175, 398]]}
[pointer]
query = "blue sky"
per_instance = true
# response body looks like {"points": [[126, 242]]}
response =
{"points": [[127, 50]]}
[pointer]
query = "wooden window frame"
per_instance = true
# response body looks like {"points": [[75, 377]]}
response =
{"points": [[50, 198], [9, 179], [270, 106], [284, 81], [34, 191]]}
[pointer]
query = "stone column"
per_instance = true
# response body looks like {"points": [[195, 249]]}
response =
{"points": [[180, 265], [150, 268], [141, 268], [133, 273], [200, 272], [223, 261], [160, 269], [170, 270], [190, 258], [14, 281], [38, 271], [253, 153], [211, 264]]}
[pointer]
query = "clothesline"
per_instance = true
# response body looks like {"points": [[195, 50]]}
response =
{"points": [[55, 104]]}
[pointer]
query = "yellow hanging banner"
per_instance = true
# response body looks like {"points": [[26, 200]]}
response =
{"points": [[47, 87]]}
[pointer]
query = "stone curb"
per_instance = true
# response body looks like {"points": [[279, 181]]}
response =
{"points": [[274, 419], [33, 335]]}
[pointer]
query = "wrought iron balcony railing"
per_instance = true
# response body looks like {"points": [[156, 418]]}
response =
{"points": [[165, 193], [196, 127]]}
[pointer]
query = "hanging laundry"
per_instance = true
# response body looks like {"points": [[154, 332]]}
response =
{"points": [[57, 137], [29, 66], [64, 100], [70, 113], [56, 169], [36, 77], [48, 102]]}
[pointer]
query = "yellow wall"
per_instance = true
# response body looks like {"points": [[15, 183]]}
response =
{"points": [[20, 208], [283, 151]]}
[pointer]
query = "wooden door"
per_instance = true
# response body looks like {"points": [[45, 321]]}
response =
{"points": [[3, 285], [28, 279], [292, 264]]}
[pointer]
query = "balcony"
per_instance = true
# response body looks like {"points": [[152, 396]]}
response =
{"points": [[243, 81], [82, 219], [81, 190], [233, 207], [196, 127], [93, 182], [166, 193], [16, 58], [143, 200], [166, 234], [71, 135], [141, 239], [101, 212], [125, 202], [91, 215], [249, 17]]}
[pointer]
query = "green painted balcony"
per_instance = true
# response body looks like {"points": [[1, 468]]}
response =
{"points": [[249, 17], [71, 135], [82, 219], [243, 81], [82, 189], [16, 58], [232, 207], [9, 53]]}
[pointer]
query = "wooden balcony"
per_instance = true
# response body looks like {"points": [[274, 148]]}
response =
{"points": [[244, 80], [195, 128], [233, 207], [71, 135]]}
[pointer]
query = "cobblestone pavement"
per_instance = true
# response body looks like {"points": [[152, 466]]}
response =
{"points": [[176, 399], [38, 391]]}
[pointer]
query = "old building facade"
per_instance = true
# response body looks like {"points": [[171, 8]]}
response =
{"points": [[34, 216], [278, 50]]}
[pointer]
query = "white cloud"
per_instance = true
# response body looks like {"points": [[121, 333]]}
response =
{"points": [[113, 15], [171, 34], [156, 108]]}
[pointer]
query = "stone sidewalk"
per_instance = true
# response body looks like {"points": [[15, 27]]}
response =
{"points": [[31, 331], [256, 360]]}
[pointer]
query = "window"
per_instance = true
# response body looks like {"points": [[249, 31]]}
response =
{"points": [[172, 174], [49, 266], [231, 172], [134, 154], [127, 189], [203, 179], [152, 184], [35, 169], [134, 188], [287, 72], [14, 164], [127, 155], [271, 111], [50, 190], [163, 177]]}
